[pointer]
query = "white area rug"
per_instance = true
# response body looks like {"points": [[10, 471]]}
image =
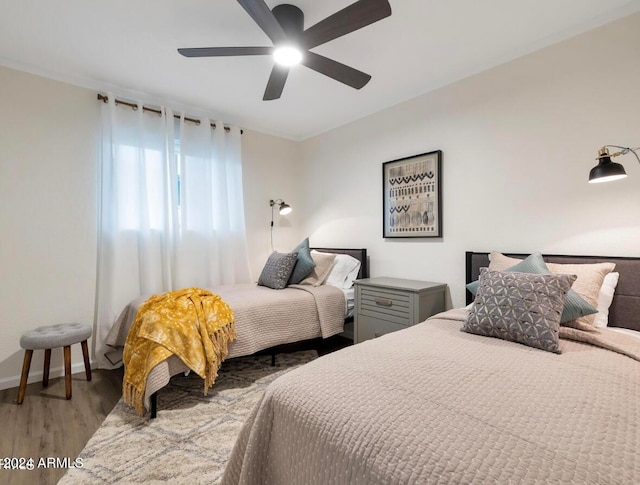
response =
{"points": [[191, 439]]}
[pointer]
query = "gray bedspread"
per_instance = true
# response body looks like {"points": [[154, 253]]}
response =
{"points": [[431, 404], [264, 318]]}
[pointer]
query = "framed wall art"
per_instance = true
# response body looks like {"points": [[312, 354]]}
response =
{"points": [[412, 196]]}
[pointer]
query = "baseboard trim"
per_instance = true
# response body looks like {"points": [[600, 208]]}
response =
{"points": [[36, 376]]}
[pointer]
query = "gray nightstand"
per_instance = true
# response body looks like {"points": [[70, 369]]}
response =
{"points": [[385, 305]]}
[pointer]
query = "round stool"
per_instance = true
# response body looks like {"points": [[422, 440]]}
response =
{"points": [[47, 338]]}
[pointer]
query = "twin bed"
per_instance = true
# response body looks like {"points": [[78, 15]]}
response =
{"points": [[432, 404], [264, 319]]}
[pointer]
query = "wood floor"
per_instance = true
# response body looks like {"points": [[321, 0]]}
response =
{"points": [[46, 425]]}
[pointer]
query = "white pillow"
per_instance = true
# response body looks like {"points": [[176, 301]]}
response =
{"points": [[352, 276], [605, 297], [343, 272]]}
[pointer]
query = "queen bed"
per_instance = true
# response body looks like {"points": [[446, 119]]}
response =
{"points": [[433, 404], [265, 318]]}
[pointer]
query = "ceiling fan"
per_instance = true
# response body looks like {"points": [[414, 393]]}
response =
{"points": [[284, 25]]}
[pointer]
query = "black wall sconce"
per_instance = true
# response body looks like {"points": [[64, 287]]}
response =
{"points": [[606, 170], [283, 210], [283, 207]]}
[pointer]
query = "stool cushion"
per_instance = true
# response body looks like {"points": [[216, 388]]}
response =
{"points": [[52, 336]]}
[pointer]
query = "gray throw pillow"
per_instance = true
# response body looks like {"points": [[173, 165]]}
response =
{"points": [[304, 263], [277, 270], [575, 306], [519, 307]]}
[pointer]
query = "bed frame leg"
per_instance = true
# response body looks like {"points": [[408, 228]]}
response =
{"points": [[273, 359], [154, 405]]}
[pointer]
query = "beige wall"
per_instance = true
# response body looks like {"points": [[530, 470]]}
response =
{"points": [[48, 133], [272, 169], [48, 143], [518, 142]]}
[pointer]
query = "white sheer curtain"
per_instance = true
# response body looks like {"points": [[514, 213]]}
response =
{"points": [[171, 211], [212, 245]]}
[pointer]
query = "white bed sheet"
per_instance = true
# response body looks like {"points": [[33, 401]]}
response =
{"points": [[350, 301]]}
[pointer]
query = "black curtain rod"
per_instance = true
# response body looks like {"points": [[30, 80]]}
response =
{"points": [[105, 99]]}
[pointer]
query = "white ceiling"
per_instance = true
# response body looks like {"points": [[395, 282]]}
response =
{"points": [[129, 47]]}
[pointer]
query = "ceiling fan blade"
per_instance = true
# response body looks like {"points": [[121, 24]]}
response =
{"points": [[225, 51], [335, 70], [351, 18], [260, 13], [276, 82]]}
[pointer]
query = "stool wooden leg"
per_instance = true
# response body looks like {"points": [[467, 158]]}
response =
{"points": [[85, 354], [26, 364], [45, 372], [67, 371]]}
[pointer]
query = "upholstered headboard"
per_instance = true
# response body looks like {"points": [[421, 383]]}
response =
{"points": [[625, 308], [359, 254]]}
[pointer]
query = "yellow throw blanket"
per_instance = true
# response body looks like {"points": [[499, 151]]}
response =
{"points": [[194, 324]]}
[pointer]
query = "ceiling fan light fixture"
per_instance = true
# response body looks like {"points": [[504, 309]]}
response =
{"points": [[287, 55]]}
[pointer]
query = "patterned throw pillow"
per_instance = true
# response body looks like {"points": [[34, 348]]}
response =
{"points": [[520, 307], [277, 270]]}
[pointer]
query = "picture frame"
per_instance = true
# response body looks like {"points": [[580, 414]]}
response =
{"points": [[412, 196]]}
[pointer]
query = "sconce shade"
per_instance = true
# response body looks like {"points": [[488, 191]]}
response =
{"points": [[285, 209], [606, 171]]}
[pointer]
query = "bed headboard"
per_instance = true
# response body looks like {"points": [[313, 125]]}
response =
{"points": [[625, 308], [359, 254]]}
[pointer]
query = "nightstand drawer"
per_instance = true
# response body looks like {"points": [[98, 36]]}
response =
{"points": [[389, 305], [369, 328]]}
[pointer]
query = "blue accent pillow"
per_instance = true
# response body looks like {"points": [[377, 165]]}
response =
{"points": [[304, 263], [574, 307], [533, 264]]}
